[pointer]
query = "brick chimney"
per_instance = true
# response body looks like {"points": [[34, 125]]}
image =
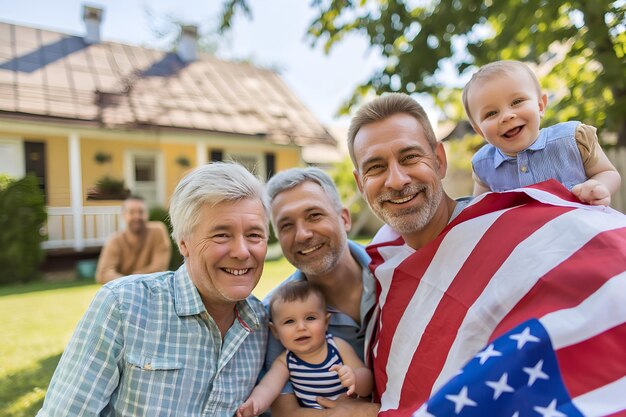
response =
{"points": [[188, 44], [92, 16]]}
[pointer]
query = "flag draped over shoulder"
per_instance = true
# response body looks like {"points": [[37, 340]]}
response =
{"points": [[520, 303]]}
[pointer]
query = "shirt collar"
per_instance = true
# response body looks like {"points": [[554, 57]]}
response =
{"points": [[246, 315], [537, 145], [187, 300]]}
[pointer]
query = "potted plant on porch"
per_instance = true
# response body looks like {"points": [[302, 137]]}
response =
{"points": [[108, 188]]}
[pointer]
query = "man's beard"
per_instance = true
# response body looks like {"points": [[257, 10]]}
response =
{"points": [[411, 219], [326, 263], [137, 227]]}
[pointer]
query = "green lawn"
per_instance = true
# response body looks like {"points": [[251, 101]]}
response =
{"points": [[37, 322]]}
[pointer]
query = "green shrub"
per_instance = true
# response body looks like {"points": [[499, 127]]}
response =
{"points": [[5, 180], [160, 214], [22, 216]]}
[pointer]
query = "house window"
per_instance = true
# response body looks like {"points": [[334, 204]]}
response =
{"points": [[270, 165], [145, 169], [216, 155]]}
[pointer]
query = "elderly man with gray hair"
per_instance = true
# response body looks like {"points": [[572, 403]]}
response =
{"points": [[189, 342]]}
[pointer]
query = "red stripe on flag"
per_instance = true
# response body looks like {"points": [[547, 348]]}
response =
{"points": [[402, 288], [570, 282], [557, 189], [430, 355], [595, 362]]}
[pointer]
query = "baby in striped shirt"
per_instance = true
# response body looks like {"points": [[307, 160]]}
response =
{"points": [[316, 363]]}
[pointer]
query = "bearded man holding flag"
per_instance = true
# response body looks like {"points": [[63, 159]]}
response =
{"points": [[512, 304]]}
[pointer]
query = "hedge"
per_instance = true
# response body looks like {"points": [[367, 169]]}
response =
{"points": [[22, 217]]}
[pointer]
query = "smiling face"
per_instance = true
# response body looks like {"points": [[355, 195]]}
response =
{"points": [[506, 110], [312, 235], [301, 325], [399, 174], [225, 251]]}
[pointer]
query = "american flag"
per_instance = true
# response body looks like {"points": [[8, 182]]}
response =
{"points": [[530, 268]]}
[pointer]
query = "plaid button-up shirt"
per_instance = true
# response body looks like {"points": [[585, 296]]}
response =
{"points": [[147, 347]]}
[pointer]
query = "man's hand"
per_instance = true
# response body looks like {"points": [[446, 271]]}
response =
{"points": [[592, 192], [348, 407], [346, 376]]}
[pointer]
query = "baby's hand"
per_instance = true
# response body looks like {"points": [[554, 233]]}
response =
{"points": [[593, 192], [346, 376], [248, 409]]}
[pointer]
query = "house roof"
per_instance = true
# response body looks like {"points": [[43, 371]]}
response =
{"points": [[47, 74]]}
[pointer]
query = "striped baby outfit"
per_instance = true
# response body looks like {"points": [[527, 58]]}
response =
{"points": [[315, 380]]}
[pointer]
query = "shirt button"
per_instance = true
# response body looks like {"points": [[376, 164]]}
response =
{"points": [[524, 169], [148, 366]]}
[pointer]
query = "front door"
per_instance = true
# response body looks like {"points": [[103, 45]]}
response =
{"points": [[144, 176], [35, 163]]}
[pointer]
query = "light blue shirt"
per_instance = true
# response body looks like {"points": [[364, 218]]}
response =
{"points": [[553, 155], [340, 325], [147, 347]]}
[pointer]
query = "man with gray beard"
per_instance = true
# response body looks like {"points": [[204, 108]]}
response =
{"points": [[312, 225]]}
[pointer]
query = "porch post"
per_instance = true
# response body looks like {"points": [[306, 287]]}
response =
{"points": [[201, 156], [76, 190]]}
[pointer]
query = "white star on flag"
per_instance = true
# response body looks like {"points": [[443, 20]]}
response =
{"points": [[524, 337], [535, 373], [500, 386], [550, 410], [460, 400], [487, 353]]}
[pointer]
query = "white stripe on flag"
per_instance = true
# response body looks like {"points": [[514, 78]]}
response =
{"points": [[554, 200], [603, 401], [527, 263], [601, 311], [443, 267]]}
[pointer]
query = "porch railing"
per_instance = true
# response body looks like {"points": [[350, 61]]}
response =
{"points": [[98, 224]]}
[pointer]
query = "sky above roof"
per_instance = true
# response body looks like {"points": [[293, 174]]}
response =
{"points": [[274, 38]]}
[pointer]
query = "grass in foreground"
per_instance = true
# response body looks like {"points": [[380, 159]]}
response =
{"points": [[38, 321]]}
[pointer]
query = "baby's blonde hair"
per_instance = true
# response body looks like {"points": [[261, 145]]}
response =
{"points": [[491, 70]]}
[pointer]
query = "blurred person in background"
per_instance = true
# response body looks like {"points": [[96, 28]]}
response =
{"points": [[142, 247]]}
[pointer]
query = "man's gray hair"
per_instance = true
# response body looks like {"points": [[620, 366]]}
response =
{"points": [[211, 184], [293, 177]]}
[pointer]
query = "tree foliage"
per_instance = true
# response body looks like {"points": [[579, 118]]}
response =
{"points": [[433, 46]]}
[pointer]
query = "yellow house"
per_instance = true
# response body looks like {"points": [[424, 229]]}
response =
{"points": [[75, 110]]}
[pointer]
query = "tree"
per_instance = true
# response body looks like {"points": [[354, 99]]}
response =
{"points": [[428, 43]]}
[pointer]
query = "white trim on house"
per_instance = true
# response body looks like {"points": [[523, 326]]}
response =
{"points": [[12, 157], [76, 190], [201, 153]]}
